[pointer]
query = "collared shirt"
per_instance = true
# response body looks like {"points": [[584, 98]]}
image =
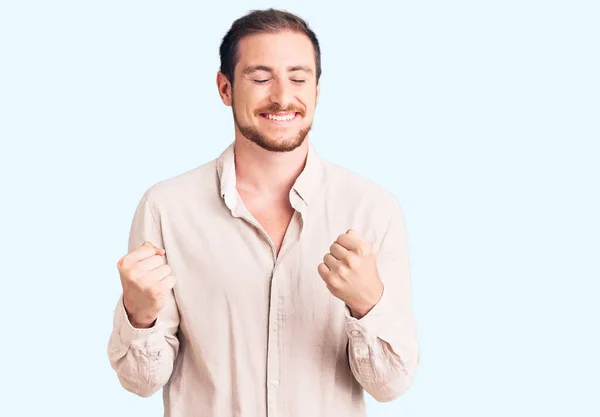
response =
{"points": [[250, 332]]}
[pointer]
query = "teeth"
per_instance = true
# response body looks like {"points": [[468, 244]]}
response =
{"points": [[289, 116]]}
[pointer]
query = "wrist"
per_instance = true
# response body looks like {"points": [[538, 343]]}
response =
{"points": [[141, 324], [138, 321], [361, 309], [359, 312]]}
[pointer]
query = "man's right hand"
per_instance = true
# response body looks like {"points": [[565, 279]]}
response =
{"points": [[146, 281]]}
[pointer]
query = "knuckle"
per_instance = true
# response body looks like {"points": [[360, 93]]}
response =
{"points": [[123, 263], [323, 270], [352, 261], [334, 282], [343, 271]]}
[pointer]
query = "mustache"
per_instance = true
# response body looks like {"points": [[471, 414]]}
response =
{"points": [[275, 108]]}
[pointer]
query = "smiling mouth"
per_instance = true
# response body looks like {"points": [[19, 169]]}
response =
{"points": [[280, 117]]}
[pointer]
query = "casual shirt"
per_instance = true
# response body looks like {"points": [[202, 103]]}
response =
{"points": [[250, 332]]}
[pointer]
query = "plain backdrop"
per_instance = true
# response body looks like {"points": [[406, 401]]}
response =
{"points": [[482, 117]]}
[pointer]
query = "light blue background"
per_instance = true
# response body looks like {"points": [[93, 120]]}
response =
{"points": [[482, 117]]}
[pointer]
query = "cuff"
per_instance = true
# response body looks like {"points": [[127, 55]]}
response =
{"points": [[132, 335], [367, 328]]}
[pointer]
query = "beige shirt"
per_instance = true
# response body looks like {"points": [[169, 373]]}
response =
{"points": [[250, 333]]}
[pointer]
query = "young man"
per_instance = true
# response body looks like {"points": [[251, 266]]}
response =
{"points": [[268, 282]]}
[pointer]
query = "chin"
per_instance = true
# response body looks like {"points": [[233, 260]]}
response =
{"points": [[275, 142], [279, 144]]}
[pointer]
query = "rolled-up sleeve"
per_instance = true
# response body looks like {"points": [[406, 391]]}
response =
{"points": [[383, 347]]}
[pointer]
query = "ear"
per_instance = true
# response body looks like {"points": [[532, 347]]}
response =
{"points": [[317, 98], [224, 87]]}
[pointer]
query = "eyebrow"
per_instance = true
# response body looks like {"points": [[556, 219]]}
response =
{"points": [[254, 68]]}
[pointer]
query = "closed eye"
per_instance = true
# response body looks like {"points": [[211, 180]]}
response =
{"points": [[260, 81], [299, 81]]}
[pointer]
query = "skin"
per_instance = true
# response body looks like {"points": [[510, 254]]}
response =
{"points": [[146, 280], [349, 271], [275, 74]]}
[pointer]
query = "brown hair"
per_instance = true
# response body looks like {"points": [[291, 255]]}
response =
{"points": [[262, 21]]}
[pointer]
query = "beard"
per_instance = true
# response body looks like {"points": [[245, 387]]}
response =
{"points": [[279, 145]]}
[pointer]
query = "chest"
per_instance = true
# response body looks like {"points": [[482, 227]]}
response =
{"points": [[273, 216], [275, 226]]}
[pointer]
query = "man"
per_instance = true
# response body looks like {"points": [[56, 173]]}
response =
{"points": [[267, 282]]}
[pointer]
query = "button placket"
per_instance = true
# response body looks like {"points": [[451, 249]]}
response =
{"points": [[276, 314], [273, 345]]}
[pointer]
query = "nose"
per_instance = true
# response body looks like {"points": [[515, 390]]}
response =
{"points": [[280, 94]]}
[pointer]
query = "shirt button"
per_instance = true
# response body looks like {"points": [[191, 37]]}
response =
{"points": [[361, 351], [275, 384], [275, 327]]}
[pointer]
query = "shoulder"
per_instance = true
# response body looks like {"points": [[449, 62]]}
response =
{"points": [[355, 190], [199, 181], [360, 203]]}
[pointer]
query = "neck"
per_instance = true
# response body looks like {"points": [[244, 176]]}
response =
{"points": [[267, 173]]}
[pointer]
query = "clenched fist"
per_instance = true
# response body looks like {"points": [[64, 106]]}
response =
{"points": [[146, 281], [350, 273]]}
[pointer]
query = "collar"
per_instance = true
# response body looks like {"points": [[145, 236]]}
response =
{"points": [[305, 186]]}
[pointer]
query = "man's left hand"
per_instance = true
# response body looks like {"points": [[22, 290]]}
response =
{"points": [[350, 273]]}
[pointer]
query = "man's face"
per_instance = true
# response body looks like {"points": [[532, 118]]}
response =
{"points": [[275, 89]]}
